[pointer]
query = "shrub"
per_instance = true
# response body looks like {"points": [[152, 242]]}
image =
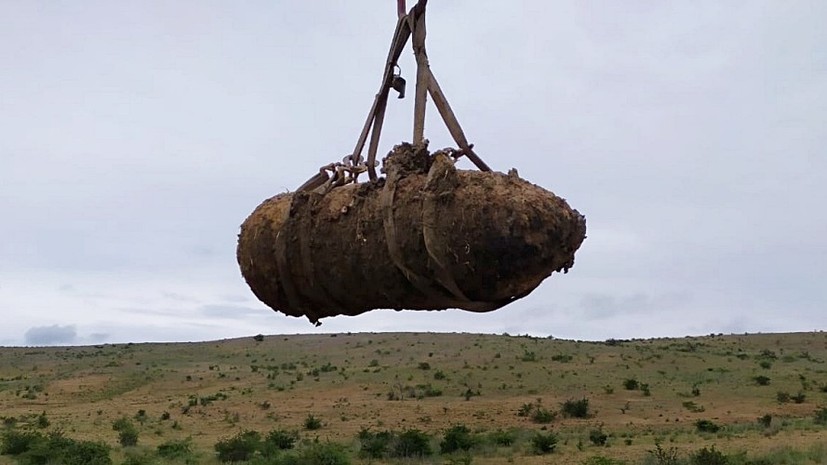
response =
{"points": [[424, 366], [175, 449], [543, 416], [278, 440], [528, 356], [128, 436], [458, 437], [17, 442], [782, 397], [598, 437], [122, 423], [412, 443], [427, 390], [821, 416], [469, 393], [439, 375], [42, 421], [374, 445], [798, 398], [692, 406], [525, 409], [502, 437], [762, 380], [631, 384], [663, 456], [57, 449], [127, 433], [312, 423], [765, 420], [238, 448], [708, 457], [325, 453], [141, 416], [706, 426], [576, 408], [258, 337], [543, 443]]}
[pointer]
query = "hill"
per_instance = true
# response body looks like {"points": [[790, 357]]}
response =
{"points": [[751, 393]]}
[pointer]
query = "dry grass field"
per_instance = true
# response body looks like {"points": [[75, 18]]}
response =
{"points": [[751, 394]]}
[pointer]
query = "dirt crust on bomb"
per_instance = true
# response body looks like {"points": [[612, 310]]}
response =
{"points": [[426, 237]]}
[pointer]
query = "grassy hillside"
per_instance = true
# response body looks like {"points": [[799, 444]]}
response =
{"points": [[636, 392]]}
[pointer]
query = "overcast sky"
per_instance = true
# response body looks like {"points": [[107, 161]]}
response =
{"points": [[136, 136]]}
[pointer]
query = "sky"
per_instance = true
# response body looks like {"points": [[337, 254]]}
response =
{"points": [[136, 136]]}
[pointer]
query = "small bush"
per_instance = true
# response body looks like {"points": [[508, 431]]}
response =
{"points": [[708, 457], [663, 456], [141, 416], [782, 397], [312, 423], [706, 426], [325, 453], [122, 423], [57, 449], [765, 420], [258, 337], [128, 436], [424, 366], [127, 433], [692, 406], [175, 449], [598, 437], [502, 438], [412, 443], [439, 375], [278, 440], [42, 421], [631, 384], [543, 416], [238, 448], [821, 416], [576, 408], [458, 437], [525, 410], [798, 398], [374, 445], [762, 380], [543, 443], [17, 442]]}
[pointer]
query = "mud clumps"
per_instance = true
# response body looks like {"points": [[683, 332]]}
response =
{"points": [[430, 237]]}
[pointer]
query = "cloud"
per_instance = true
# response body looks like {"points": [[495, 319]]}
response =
{"points": [[51, 335], [98, 337], [230, 311]]}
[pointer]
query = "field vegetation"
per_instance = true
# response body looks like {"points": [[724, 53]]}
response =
{"points": [[419, 398]]}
